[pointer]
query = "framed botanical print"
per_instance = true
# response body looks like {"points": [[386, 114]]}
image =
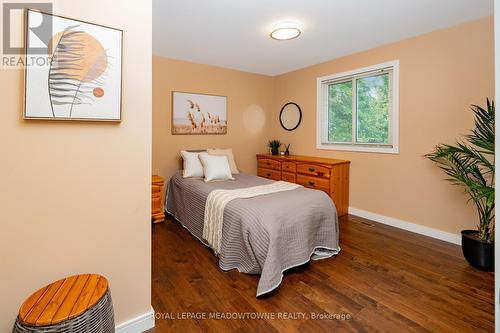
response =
{"points": [[82, 78], [198, 113]]}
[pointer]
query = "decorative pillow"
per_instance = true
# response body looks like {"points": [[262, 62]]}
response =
{"points": [[230, 157], [192, 165], [215, 167]]}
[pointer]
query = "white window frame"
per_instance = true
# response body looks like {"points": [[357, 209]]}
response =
{"points": [[322, 111]]}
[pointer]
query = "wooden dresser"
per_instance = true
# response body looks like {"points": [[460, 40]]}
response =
{"points": [[325, 174], [157, 214]]}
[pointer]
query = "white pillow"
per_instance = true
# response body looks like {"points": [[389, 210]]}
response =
{"points": [[192, 165], [215, 167], [230, 157]]}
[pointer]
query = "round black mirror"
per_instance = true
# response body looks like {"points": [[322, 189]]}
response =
{"points": [[290, 116]]}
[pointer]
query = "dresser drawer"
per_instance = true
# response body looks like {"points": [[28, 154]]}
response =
{"points": [[289, 167], [155, 199], [269, 174], [288, 177], [157, 214], [313, 170], [314, 182], [156, 205], [155, 190], [269, 164]]}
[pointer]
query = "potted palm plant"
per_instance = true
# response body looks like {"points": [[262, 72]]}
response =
{"points": [[470, 164]]}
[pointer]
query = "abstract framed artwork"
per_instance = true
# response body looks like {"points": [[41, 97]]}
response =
{"points": [[82, 78], [198, 113]]}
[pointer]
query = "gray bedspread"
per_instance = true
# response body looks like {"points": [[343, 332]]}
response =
{"points": [[261, 235]]}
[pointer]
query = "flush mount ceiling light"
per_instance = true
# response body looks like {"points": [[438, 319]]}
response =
{"points": [[285, 31]]}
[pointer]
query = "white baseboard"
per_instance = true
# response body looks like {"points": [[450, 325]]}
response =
{"points": [[417, 228], [138, 324]]}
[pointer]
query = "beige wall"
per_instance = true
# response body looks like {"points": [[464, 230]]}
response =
{"points": [[249, 105], [75, 197], [441, 74]]}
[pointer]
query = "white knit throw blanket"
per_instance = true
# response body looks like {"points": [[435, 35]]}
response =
{"points": [[218, 199]]}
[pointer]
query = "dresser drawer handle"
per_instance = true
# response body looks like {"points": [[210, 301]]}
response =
{"points": [[312, 169], [312, 183], [269, 175], [320, 173]]}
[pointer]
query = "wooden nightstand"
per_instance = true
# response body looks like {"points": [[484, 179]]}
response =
{"points": [[157, 213]]}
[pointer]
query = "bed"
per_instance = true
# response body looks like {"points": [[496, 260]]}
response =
{"points": [[264, 235]]}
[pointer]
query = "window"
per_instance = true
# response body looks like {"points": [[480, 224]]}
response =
{"points": [[358, 110]]}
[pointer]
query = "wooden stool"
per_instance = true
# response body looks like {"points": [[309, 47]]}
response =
{"points": [[79, 303]]}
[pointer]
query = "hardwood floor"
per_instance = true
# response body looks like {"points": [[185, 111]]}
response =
{"points": [[384, 279]]}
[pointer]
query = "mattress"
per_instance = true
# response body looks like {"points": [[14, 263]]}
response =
{"points": [[264, 235]]}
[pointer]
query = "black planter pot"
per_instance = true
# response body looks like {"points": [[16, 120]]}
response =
{"points": [[480, 254], [274, 152]]}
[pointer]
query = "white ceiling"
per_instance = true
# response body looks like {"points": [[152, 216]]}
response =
{"points": [[234, 33]]}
